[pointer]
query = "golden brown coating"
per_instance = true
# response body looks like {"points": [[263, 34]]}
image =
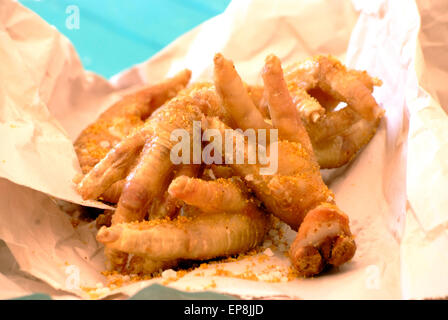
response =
{"points": [[324, 238], [169, 205], [283, 113], [148, 179], [327, 79], [296, 189], [144, 265], [115, 165], [317, 86], [210, 196], [205, 97], [336, 135], [152, 145], [122, 117], [166, 214], [199, 234], [119, 121], [297, 186], [205, 236], [234, 96]]}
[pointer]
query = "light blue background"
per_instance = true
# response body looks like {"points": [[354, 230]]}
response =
{"points": [[116, 34]]}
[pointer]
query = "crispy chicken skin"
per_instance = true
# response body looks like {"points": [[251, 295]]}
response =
{"points": [[166, 212], [296, 193]]}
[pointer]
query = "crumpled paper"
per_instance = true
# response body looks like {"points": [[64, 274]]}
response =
{"points": [[392, 192]]}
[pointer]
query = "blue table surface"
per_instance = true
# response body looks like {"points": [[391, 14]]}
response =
{"points": [[113, 35]]}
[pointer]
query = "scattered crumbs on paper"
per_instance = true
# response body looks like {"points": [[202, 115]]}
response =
{"points": [[265, 263]]}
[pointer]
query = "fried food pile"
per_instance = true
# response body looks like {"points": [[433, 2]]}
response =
{"points": [[169, 212]]}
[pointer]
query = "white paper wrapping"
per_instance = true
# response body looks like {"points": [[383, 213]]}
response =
{"points": [[393, 191]]}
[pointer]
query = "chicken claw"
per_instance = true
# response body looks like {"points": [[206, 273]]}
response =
{"points": [[143, 160], [207, 234], [121, 118], [234, 95], [336, 135], [145, 182], [168, 205], [169, 212], [227, 222], [221, 194], [323, 238], [117, 122], [296, 190]]}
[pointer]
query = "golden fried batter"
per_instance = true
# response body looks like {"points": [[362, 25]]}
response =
{"points": [[336, 135], [317, 85], [170, 212], [297, 189], [121, 118], [205, 233]]}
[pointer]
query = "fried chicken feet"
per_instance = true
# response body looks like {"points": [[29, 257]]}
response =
{"points": [[228, 223], [317, 85], [120, 120], [232, 224], [169, 212], [296, 193]]}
